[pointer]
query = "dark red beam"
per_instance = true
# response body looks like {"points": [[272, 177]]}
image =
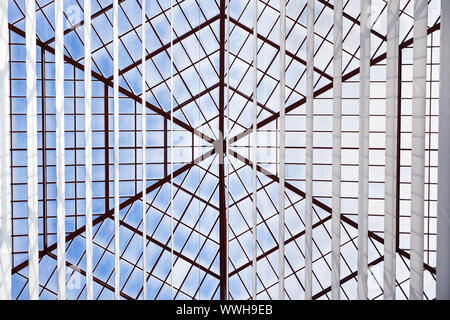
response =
{"points": [[325, 207], [347, 278], [223, 258], [352, 19], [110, 213], [167, 45], [326, 88], [168, 249], [79, 24], [95, 279], [275, 248], [276, 46], [122, 90]]}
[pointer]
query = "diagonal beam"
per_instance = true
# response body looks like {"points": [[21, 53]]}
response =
{"points": [[110, 213], [275, 248], [196, 97], [82, 272], [323, 206], [122, 90], [167, 45], [326, 88], [168, 249], [276, 46], [81, 23], [347, 278], [352, 19]]}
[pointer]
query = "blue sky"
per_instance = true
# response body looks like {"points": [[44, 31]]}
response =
{"points": [[196, 69]]}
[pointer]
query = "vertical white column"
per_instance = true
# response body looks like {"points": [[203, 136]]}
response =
{"points": [[282, 148], [171, 149], [255, 144], [60, 163], [144, 158], [418, 147], [32, 156], [88, 144], [197, 139], [309, 146], [363, 165], [336, 165], [227, 148], [116, 149], [5, 176], [443, 205], [391, 148]]}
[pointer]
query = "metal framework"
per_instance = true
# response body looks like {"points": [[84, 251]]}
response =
{"points": [[217, 148]]}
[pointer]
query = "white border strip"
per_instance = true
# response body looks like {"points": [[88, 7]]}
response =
{"points": [[337, 144], [5, 180], [443, 205], [309, 146], [393, 9], [144, 151], [116, 149], [171, 150], [198, 143], [88, 144], [363, 167], [60, 150], [418, 148], [33, 229], [254, 148], [281, 205]]}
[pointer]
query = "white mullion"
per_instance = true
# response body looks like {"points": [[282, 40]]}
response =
{"points": [[309, 146], [418, 147], [88, 144], [198, 227], [282, 149], [392, 57], [5, 179], [144, 158], [32, 156], [255, 145], [197, 139], [60, 165], [171, 149], [336, 166], [363, 167], [443, 204], [116, 149]]}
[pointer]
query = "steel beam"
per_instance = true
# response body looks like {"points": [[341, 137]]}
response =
{"points": [[223, 223], [326, 88], [324, 207], [167, 45], [110, 212], [127, 93]]}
